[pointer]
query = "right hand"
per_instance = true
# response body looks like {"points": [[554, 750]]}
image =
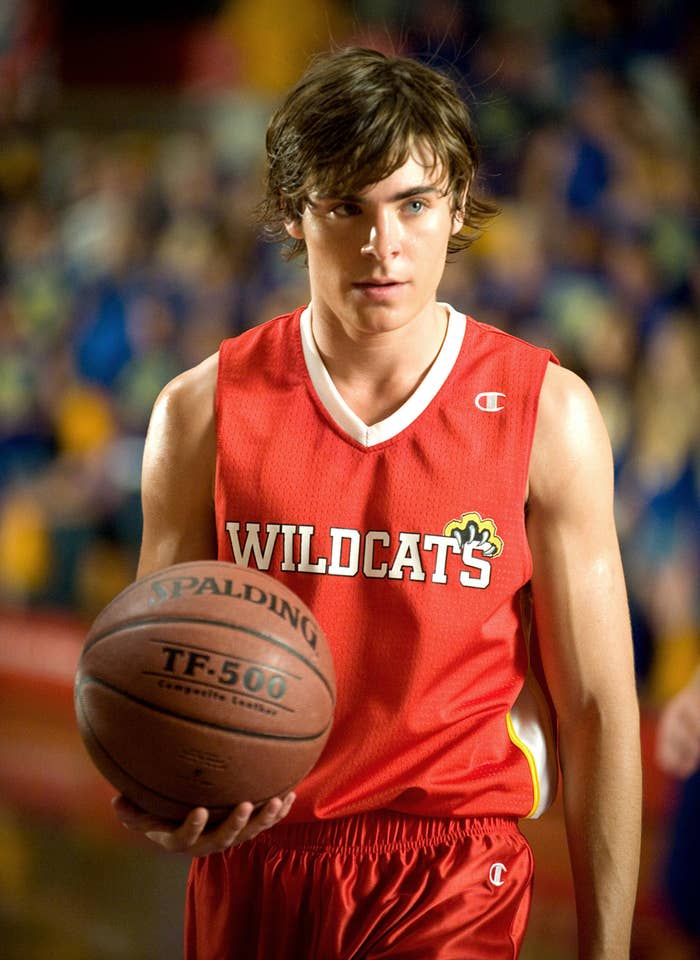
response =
{"points": [[243, 823]]}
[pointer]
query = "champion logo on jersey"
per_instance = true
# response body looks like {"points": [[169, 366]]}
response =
{"points": [[496, 874], [490, 401]]}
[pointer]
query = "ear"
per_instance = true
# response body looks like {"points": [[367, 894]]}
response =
{"points": [[457, 223], [458, 216], [294, 229]]}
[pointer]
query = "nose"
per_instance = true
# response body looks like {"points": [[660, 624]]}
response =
{"points": [[383, 243]]}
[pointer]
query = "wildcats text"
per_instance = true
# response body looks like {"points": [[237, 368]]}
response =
{"points": [[374, 554]]}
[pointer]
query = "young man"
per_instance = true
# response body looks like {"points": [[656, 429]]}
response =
{"points": [[435, 490]]}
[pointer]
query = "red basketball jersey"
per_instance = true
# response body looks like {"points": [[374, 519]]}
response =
{"points": [[407, 540]]}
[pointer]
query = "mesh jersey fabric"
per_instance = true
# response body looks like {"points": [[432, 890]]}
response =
{"points": [[407, 540]]}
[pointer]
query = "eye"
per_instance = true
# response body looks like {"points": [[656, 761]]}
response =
{"points": [[415, 206], [347, 209]]}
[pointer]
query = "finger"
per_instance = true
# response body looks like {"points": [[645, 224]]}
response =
{"points": [[193, 827], [265, 818], [257, 821], [287, 804], [227, 833], [181, 839], [135, 818]]}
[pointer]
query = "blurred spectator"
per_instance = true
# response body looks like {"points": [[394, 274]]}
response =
{"points": [[678, 753], [274, 38], [27, 33], [678, 738]]}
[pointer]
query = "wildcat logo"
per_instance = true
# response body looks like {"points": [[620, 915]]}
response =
{"points": [[472, 529], [479, 543], [374, 554]]}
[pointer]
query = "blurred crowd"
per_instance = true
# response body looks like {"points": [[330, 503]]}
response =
{"points": [[127, 254]]}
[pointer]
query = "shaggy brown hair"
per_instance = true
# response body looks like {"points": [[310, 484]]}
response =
{"points": [[354, 118]]}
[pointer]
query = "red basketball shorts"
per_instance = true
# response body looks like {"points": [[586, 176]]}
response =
{"points": [[379, 885]]}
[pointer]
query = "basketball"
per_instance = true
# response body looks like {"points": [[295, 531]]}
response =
{"points": [[204, 684]]}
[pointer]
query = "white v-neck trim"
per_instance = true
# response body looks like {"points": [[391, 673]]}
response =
{"points": [[409, 411]]}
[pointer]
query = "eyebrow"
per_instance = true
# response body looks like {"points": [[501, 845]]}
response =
{"points": [[401, 195]]}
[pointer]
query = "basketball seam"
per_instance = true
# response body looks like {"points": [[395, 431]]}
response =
{"points": [[157, 793], [228, 624], [89, 678]]}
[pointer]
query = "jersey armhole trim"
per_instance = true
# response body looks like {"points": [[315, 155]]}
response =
{"points": [[525, 750], [529, 725]]}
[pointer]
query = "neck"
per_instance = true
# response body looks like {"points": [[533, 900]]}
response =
{"points": [[375, 373]]}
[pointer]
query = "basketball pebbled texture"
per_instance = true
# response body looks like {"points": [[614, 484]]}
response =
{"points": [[204, 684]]}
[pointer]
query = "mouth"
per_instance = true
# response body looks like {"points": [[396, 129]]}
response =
{"points": [[379, 282], [379, 288]]}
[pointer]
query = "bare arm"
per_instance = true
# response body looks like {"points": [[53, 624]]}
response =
{"points": [[177, 479], [583, 625], [177, 489]]}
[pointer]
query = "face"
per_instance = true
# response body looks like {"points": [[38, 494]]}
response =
{"points": [[376, 258]]}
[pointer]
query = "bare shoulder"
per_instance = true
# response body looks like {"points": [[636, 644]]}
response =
{"points": [[189, 397], [183, 422], [183, 416], [571, 446], [177, 478]]}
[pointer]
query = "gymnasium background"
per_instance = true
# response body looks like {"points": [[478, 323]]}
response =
{"points": [[129, 162]]}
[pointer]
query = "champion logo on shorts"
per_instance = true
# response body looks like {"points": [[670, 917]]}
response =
{"points": [[489, 401], [496, 874]]}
